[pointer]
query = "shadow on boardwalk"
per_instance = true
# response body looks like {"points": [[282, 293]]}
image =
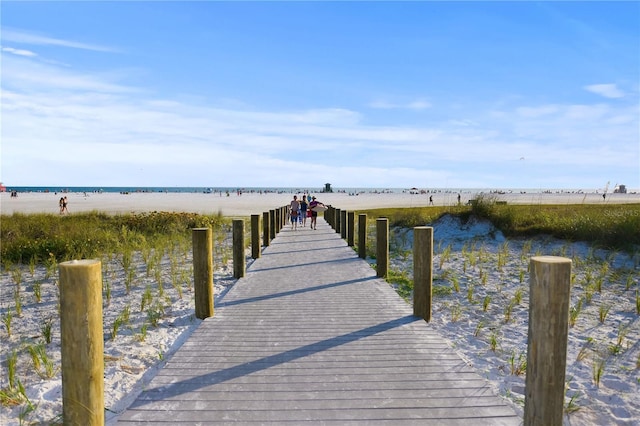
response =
{"points": [[311, 336]]}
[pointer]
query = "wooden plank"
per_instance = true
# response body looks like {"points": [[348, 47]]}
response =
{"points": [[311, 335]]}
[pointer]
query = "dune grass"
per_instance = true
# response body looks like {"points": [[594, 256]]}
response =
{"points": [[611, 226], [49, 238]]}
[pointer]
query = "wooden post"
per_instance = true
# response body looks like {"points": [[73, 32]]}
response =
{"points": [[278, 220], [238, 248], [328, 215], [343, 227], [422, 271], [265, 229], [382, 247], [362, 236], [337, 224], [255, 236], [550, 288], [82, 342], [351, 228], [202, 241], [272, 223]]}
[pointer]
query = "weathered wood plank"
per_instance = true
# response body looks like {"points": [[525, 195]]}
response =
{"points": [[311, 335]]}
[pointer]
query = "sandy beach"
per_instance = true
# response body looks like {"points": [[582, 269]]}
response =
{"points": [[465, 253], [256, 203]]}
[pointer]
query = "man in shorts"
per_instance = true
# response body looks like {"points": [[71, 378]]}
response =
{"points": [[294, 211]]}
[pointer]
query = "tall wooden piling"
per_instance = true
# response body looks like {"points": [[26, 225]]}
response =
{"points": [[82, 342], [550, 285], [362, 236], [272, 224], [382, 247], [265, 229], [343, 227], [202, 241], [239, 263], [422, 271], [351, 228], [255, 236]]}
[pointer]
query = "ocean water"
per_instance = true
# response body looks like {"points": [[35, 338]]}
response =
{"points": [[289, 190]]}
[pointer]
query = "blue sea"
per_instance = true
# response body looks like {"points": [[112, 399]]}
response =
{"points": [[352, 190]]}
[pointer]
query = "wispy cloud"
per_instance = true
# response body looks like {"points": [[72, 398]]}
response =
{"points": [[418, 104], [19, 52], [606, 90], [24, 37]]}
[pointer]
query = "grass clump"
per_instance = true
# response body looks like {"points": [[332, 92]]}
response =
{"points": [[50, 238]]}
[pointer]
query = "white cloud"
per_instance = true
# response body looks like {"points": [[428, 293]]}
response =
{"points": [[606, 90], [418, 104], [19, 52], [23, 37]]}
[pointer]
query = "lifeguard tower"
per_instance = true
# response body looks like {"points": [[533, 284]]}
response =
{"points": [[327, 187]]}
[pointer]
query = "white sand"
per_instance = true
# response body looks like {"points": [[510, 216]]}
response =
{"points": [[255, 203]]}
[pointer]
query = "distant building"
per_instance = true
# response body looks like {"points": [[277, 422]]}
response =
{"points": [[620, 189], [327, 187]]}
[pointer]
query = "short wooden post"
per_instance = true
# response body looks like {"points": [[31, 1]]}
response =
{"points": [[278, 220], [336, 218], [255, 236], [238, 248], [328, 215], [265, 229], [82, 342], [202, 241], [362, 236], [343, 227], [550, 288], [351, 228], [422, 271], [382, 246], [272, 223]]}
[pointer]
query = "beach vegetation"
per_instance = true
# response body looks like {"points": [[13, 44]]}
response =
{"points": [[56, 238], [613, 226], [401, 281]]}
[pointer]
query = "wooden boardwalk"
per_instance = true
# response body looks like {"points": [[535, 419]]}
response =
{"points": [[311, 336]]}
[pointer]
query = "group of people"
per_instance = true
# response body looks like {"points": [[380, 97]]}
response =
{"points": [[299, 210], [63, 205]]}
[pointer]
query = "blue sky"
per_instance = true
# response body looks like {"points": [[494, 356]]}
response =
{"points": [[360, 94]]}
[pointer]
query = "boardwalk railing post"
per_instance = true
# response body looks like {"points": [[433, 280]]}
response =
{"points": [[272, 224], [550, 286], [82, 342], [338, 225], [278, 221], [202, 241], [238, 248], [343, 226], [255, 236], [350, 228], [265, 229], [422, 271], [382, 247], [362, 236]]}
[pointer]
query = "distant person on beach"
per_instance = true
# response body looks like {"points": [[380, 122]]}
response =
{"points": [[294, 211], [314, 214], [458, 198], [430, 200], [303, 211], [63, 205]]}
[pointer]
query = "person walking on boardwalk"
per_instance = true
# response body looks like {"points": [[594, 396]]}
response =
{"points": [[314, 214], [303, 211], [294, 211]]}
